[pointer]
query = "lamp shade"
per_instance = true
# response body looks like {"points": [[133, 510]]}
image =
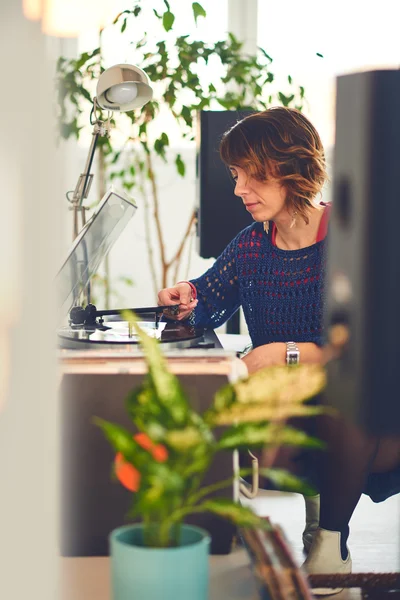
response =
{"points": [[123, 88]]}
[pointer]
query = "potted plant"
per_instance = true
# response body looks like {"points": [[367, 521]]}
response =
{"points": [[165, 461]]}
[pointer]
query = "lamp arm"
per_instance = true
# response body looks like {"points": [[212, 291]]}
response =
{"points": [[85, 180], [100, 128], [83, 185]]}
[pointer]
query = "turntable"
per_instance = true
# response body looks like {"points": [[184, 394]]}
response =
{"points": [[89, 328]]}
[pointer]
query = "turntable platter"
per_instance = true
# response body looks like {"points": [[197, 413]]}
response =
{"points": [[171, 335]]}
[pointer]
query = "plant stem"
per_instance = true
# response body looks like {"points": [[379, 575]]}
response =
{"points": [[189, 257], [209, 490], [178, 515], [216, 486], [164, 533], [148, 240], [178, 255], [164, 264]]}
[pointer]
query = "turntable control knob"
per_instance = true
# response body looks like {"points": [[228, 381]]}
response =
{"points": [[77, 315]]}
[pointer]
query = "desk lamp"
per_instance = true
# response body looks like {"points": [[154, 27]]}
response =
{"points": [[120, 88]]}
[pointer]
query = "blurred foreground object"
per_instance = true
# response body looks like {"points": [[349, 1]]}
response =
{"points": [[363, 285]]}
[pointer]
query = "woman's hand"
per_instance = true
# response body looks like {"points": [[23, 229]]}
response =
{"points": [[275, 354], [180, 294], [265, 356]]}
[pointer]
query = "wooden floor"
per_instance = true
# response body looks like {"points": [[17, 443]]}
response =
{"points": [[374, 531]]}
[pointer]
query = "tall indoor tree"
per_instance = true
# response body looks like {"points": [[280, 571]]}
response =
{"points": [[174, 66]]}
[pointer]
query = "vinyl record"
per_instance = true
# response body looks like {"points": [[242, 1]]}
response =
{"points": [[171, 334]]}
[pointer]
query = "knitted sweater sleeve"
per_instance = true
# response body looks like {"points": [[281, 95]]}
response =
{"points": [[217, 290]]}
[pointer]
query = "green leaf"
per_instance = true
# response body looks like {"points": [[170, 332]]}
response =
{"points": [[122, 441], [159, 148], [320, 55], [85, 57], [120, 438], [70, 129], [145, 410], [183, 440], [265, 54], [160, 491], [235, 44], [251, 435], [165, 480], [198, 11], [180, 165], [211, 88], [187, 115], [273, 393], [123, 27], [143, 129], [85, 93], [127, 280], [227, 104], [164, 139], [167, 388], [285, 100], [238, 514], [289, 79], [286, 482], [168, 20], [115, 157]]}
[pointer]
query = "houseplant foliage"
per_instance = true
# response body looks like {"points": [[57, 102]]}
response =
{"points": [[175, 445], [175, 66]]}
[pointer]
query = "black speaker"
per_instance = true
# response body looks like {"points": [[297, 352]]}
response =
{"points": [[363, 275], [220, 214]]}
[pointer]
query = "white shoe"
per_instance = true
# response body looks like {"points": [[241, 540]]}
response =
{"points": [[325, 558], [312, 520]]}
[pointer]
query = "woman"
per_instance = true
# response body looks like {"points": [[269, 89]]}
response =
{"points": [[274, 269]]}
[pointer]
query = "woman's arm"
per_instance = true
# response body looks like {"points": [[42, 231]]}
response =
{"points": [[212, 298], [275, 354], [217, 290]]}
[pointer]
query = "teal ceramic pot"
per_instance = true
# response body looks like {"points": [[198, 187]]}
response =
{"points": [[142, 573]]}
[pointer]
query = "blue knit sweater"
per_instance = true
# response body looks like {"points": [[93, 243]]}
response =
{"points": [[281, 291]]}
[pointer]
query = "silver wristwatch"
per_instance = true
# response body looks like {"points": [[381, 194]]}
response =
{"points": [[292, 353]]}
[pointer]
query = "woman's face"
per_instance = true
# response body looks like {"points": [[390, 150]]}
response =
{"points": [[264, 200]]}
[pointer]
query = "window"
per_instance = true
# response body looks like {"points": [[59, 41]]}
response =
{"points": [[350, 35]]}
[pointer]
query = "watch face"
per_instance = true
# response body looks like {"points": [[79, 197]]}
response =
{"points": [[292, 357]]}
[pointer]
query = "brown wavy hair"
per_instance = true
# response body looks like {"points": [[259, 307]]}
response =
{"points": [[282, 143]]}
